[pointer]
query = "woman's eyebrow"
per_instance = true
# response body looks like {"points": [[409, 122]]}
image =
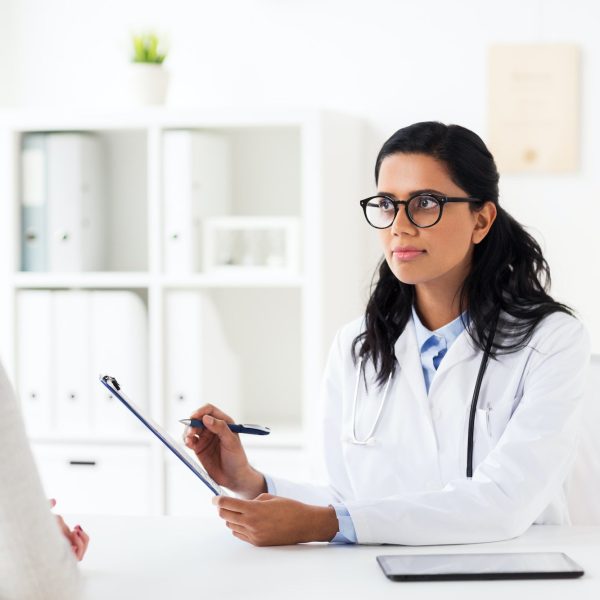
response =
{"points": [[413, 193]]}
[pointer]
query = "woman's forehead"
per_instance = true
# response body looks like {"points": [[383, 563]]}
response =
{"points": [[403, 174]]}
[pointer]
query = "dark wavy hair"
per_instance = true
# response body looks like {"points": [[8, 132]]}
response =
{"points": [[508, 272]]}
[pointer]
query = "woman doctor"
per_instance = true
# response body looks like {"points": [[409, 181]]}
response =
{"points": [[428, 438]]}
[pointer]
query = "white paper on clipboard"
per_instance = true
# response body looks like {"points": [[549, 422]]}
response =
{"points": [[177, 449]]}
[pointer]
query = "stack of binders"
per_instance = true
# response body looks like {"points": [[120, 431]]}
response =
{"points": [[62, 213], [66, 339]]}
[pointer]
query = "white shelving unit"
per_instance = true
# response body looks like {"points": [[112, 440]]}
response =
{"points": [[304, 165]]}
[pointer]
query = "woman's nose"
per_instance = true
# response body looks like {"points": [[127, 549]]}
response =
{"points": [[401, 223]]}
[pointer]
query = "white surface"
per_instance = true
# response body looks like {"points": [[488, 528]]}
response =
{"points": [[176, 557]]}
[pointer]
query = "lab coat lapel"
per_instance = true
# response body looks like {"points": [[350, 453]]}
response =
{"points": [[411, 374], [409, 362]]}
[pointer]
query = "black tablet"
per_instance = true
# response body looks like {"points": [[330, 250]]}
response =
{"points": [[454, 567]]}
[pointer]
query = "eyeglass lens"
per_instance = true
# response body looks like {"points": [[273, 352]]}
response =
{"points": [[423, 210]]}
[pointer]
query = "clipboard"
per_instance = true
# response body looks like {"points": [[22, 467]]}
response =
{"points": [[112, 385]]}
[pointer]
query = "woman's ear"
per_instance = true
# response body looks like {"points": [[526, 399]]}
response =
{"points": [[483, 221]]}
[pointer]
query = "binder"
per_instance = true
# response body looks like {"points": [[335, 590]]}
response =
{"points": [[119, 345], [196, 176], [201, 368], [34, 360], [72, 361], [34, 248], [74, 196]]}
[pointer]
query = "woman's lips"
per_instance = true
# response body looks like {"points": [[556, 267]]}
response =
{"points": [[406, 255]]}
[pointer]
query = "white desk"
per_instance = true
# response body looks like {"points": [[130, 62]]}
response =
{"points": [[178, 558]]}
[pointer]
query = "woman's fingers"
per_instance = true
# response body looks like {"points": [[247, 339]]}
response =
{"points": [[237, 528], [81, 542], [209, 409], [233, 504], [241, 536], [219, 428], [232, 517]]}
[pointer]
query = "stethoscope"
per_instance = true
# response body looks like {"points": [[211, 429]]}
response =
{"points": [[369, 440]]}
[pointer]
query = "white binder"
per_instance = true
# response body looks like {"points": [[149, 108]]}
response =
{"points": [[34, 360], [118, 345], [75, 202], [200, 366], [34, 245], [196, 184], [72, 362]]}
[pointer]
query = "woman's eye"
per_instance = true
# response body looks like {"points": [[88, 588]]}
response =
{"points": [[426, 202], [385, 205]]}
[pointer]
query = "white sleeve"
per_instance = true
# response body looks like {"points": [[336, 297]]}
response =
{"points": [[328, 420], [517, 480], [36, 560]]}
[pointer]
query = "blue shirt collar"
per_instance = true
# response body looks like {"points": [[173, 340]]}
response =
{"points": [[449, 332]]}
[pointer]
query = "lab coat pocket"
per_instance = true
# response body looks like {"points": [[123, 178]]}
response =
{"points": [[483, 422], [491, 421]]}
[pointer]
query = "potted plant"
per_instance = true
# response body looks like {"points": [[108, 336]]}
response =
{"points": [[149, 78]]}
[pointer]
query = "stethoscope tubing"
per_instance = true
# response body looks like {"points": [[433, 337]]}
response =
{"points": [[475, 399]]}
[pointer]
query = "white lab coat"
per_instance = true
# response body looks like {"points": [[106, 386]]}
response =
{"points": [[410, 487]]}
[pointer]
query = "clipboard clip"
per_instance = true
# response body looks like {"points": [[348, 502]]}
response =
{"points": [[113, 381]]}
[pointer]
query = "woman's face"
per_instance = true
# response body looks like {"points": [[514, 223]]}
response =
{"points": [[444, 250]]}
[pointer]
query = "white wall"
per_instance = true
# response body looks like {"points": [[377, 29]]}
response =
{"points": [[391, 61]]}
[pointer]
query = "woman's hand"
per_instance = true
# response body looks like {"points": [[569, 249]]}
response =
{"points": [[221, 453], [274, 521], [78, 539]]}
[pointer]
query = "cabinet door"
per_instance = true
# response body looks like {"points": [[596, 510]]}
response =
{"points": [[94, 479]]}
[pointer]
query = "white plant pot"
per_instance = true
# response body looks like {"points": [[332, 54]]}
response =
{"points": [[148, 83]]}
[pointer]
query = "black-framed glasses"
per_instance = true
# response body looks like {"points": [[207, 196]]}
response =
{"points": [[423, 210]]}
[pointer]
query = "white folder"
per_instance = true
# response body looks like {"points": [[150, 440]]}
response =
{"points": [[34, 360], [196, 184], [72, 361], [201, 368], [118, 345], [34, 244], [75, 202]]}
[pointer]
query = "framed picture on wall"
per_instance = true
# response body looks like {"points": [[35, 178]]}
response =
{"points": [[533, 107]]}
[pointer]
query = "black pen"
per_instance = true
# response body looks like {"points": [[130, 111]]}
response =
{"points": [[245, 428]]}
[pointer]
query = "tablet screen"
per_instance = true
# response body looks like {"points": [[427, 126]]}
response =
{"points": [[164, 437], [479, 566]]}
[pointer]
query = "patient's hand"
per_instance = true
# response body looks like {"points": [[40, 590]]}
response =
{"points": [[78, 539]]}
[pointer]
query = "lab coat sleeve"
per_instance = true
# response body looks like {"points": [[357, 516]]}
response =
{"points": [[327, 421], [520, 476]]}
